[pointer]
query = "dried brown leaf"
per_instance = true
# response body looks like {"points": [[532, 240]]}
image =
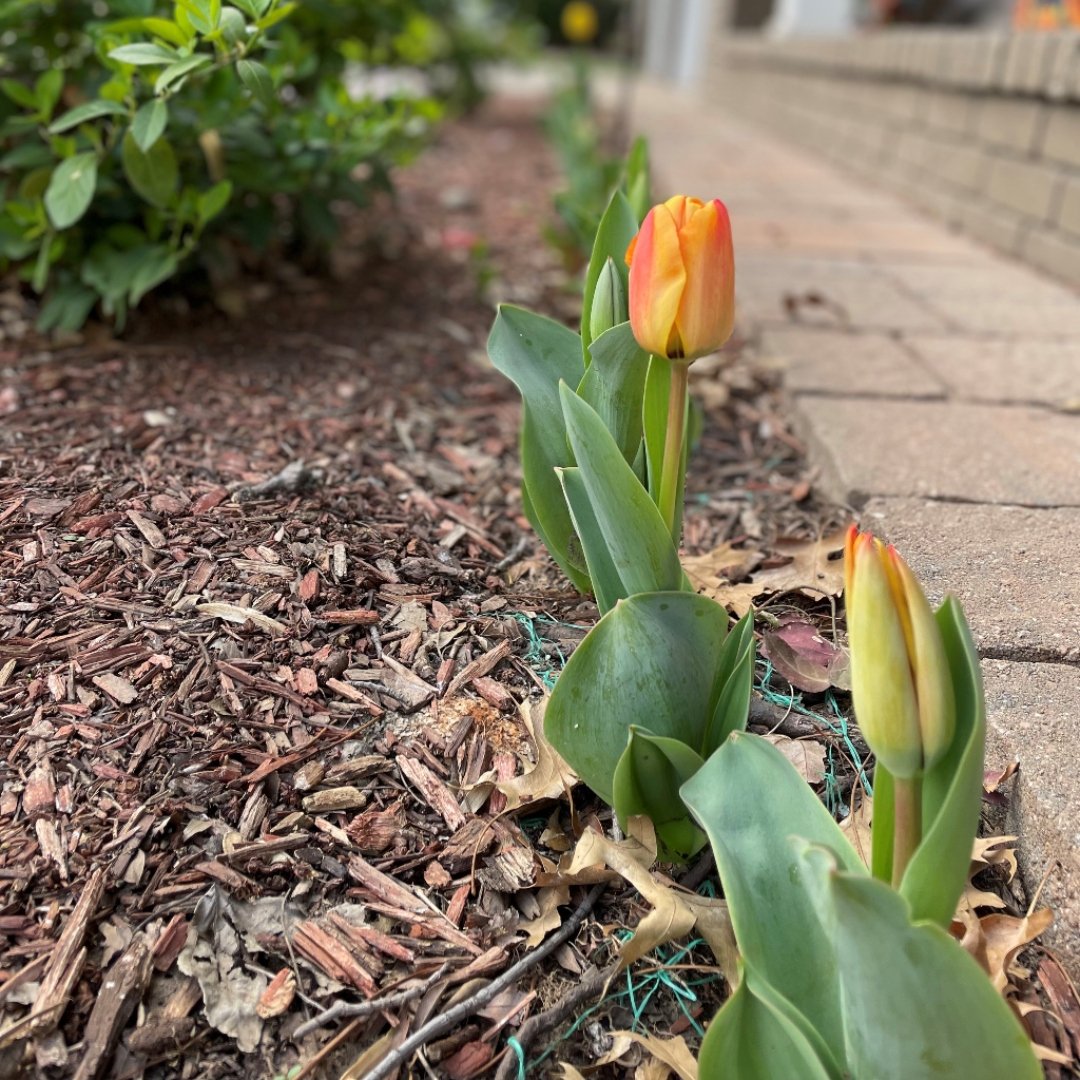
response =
{"points": [[807, 755], [550, 777], [812, 568], [672, 1053]]}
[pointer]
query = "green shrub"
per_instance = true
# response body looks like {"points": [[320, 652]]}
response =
{"points": [[141, 139]]}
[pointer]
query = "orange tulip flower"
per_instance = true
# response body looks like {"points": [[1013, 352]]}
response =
{"points": [[682, 279]]}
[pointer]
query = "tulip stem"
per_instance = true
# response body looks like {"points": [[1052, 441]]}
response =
{"points": [[907, 824], [673, 446]]}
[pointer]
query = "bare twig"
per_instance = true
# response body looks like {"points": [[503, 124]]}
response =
{"points": [[477, 1001], [365, 1008], [591, 986], [295, 477]]}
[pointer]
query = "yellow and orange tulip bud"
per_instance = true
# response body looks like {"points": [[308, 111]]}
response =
{"points": [[682, 279], [900, 679]]}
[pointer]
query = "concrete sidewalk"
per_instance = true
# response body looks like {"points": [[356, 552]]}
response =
{"points": [[938, 386]]}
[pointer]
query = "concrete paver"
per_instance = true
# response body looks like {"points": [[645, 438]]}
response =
{"points": [[1045, 372], [826, 361], [909, 306], [1003, 563], [947, 450], [1033, 715]]}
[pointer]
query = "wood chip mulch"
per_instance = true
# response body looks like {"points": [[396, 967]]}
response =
{"points": [[268, 607]]}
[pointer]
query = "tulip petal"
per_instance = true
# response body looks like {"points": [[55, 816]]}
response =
{"points": [[881, 683], [706, 314], [933, 678], [657, 280]]}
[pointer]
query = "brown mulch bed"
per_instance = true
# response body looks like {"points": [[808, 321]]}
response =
{"points": [[268, 609]]}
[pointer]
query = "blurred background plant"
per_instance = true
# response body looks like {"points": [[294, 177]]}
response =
{"points": [[144, 140]]}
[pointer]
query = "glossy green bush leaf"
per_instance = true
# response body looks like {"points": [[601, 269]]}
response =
{"points": [[915, 1003], [173, 76], [647, 779], [212, 201], [952, 789], [71, 189], [536, 354], [751, 801], [617, 228], [257, 79], [650, 661], [614, 385], [90, 110], [149, 123], [165, 28], [144, 54], [154, 173], [630, 526], [750, 1039]]}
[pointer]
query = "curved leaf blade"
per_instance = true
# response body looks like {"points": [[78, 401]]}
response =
{"points": [[71, 189], [650, 661], [617, 228]]}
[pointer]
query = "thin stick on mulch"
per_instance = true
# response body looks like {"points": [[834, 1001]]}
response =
{"points": [[472, 1004]]}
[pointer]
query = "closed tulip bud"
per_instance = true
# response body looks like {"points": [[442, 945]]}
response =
{"points": [[682, 279], [609, 301], [900, 678]]}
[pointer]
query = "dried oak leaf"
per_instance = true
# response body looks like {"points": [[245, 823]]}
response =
{"points": [[673, 1054], [812, 567], [720, 574], [807, 755], [807, 660]]}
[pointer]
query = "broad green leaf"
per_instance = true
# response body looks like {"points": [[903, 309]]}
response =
{"points": [[20, 94], [915, 1003], [90, 110], [203, 14], [952, 789], [71, 189], [156, 264], [614, 385], [213, 201], [750, 1040], [283, 11], [536, 354], [149, 123], [617, 228], [650, 661], [233, 27], [607, 586], [654, 428], [750, 800], [179, 71], [734, 683], [167, 29], [66, 307], [154, 173], [647, 779], [144, 54], [257, 79], [630, 524], [47, 91]]}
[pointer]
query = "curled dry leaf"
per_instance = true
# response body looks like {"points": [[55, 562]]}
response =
{"points": [[994, 940], [807, 660], [278, 996], [550, 777], [721, 575], [674, 1054], [856, 827], [807, 755], [812, 567]]}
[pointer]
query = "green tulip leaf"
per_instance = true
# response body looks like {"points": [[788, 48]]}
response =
{"points": [[952, 789], [630, 525], [915, 1003], [617, 228], [750, 800], [607, 585], [654, 427], [749, 1039], [734, 682], [650, 661], [647, 781], [536, 354], [614, 385], [636, 182]]}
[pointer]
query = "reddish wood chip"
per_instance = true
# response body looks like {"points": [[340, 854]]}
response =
{"points": [[470, 1060], [332, 956], [116, 686]]}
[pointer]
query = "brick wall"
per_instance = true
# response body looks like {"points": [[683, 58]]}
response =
{"points": [[982, 130]]}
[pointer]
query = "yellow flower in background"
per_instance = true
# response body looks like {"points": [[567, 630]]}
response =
{"points": [[682, 279], [900, 679], [579, 22]]}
